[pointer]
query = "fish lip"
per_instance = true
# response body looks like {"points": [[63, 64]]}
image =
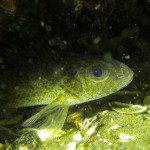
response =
{"points": [[131, 75], [130, 79], [129, 72]]}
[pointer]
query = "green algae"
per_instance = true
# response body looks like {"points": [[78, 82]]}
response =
{"points": [[105, 129]]}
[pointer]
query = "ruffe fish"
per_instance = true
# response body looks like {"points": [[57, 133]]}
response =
{"points": [[58, 85]]}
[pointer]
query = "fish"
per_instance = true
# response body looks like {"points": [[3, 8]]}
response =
{"points": [[57, 84]]}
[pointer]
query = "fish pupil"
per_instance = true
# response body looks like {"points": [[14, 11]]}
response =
{"points": [[97, 72]]}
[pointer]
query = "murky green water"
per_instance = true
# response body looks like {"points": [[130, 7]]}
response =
{"points": [[36, 37]]}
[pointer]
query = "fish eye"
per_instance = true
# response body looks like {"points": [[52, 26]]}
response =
{"points": [[98, 73]]}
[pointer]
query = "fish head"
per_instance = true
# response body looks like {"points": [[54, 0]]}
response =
{"points": [[97, 79]]}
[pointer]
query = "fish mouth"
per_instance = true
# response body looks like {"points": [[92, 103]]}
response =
{"points": [[127, 73], [130, 75]]}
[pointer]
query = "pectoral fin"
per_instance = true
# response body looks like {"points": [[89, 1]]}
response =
{"points": [[50, 117]]}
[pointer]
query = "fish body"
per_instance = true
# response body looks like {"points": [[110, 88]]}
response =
{"points": [[76, 81], [59, 85]]}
